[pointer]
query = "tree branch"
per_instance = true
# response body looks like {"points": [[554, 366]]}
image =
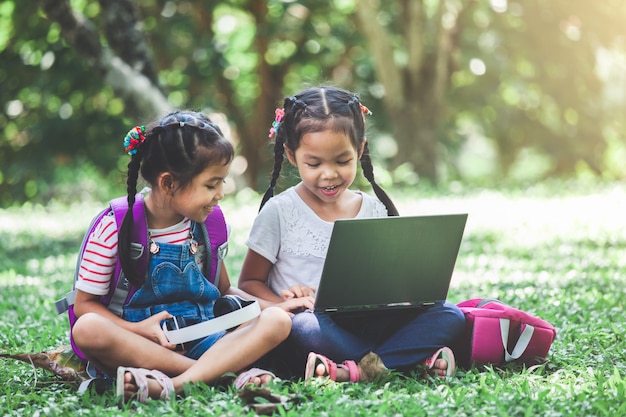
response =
{"points": [[138, 90], [78, 31], [123, 31]]}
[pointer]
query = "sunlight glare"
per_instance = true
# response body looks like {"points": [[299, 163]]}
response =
{"points": [[499, 6], [477, 66]]}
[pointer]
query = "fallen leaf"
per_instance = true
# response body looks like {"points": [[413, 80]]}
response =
{"points": [[61, 361]]}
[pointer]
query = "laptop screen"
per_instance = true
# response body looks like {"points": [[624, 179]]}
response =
{"points": [[389, 262]]}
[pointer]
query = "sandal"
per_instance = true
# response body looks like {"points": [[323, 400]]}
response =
{"points": [[141, 376], [446, 354], [330, 367], [244, 378]]}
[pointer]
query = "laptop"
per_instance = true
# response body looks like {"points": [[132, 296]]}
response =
{"points": [[389, 262]]}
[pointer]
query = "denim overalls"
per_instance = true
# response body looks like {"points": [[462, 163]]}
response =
{"points": [[176, 284]]}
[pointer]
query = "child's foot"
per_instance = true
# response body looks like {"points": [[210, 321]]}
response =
{"points": [[441, 364], [254, 376], [141, 384], [320, 366]]}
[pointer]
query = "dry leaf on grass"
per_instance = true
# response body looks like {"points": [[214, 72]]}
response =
{"points": [[61, 361]]}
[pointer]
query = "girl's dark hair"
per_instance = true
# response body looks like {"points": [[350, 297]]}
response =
{"points": [[318, 109], [183, 143]]}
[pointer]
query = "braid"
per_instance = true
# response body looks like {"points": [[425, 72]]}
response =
{"points": [[285, 132], [368, 172], [125, 231], [358, 118], [279, 153]]}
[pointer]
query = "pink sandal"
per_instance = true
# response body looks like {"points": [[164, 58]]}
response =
{"points": [[244, 378], [141, 376], [330, 367], [446, 354]]}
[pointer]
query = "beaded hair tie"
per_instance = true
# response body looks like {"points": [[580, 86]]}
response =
{"points": [[133, 139], [365, 110], [280, 113], [276, 123]]}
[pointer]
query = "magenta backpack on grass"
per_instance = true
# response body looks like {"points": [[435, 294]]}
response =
{"points": [[498, 334]]}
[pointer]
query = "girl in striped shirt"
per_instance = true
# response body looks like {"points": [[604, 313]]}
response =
{"points": [[184, 158]]}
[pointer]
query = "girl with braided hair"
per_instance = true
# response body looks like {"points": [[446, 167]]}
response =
{"points": [[185, 159], [321, 132]]}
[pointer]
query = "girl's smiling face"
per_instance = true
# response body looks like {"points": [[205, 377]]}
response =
{"points": [[327, 164], [196, 200]]}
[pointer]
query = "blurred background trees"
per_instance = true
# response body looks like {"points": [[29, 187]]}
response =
{"points": [[480, 91]]}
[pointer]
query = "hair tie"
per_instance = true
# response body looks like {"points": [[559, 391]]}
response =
{"points": [[365, 110], [277, 121], [133, 139]]}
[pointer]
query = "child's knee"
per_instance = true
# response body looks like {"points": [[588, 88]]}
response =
{"points": [[87, 330], [277, 320]]}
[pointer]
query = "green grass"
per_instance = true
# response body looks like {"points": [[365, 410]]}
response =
{"points": [[555, 250]]}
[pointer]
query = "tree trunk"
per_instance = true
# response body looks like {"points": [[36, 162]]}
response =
{"points": [[417, 143], [415, 89]]}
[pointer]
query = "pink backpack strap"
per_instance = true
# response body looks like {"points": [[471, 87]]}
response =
{"points": [[120, 289], [216, 241]]}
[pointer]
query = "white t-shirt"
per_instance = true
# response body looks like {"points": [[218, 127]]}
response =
{"points": [[291, 236]]}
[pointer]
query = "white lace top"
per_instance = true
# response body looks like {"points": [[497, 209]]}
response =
{"points": [[290, 235]]}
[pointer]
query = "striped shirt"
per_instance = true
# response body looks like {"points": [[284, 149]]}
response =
{"points": [[98, 264]]}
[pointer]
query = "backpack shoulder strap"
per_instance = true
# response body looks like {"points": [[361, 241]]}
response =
{"points": [[120, 288], [63, 304], [140, 230], [215, 234]]}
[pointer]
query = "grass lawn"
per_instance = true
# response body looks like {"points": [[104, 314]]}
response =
{"points": [[557, 250]]}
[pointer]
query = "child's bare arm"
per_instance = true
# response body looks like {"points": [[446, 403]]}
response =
{"points": [[253, 278]]}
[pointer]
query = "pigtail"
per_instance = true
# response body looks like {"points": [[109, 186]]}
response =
{"points": [[358, 118], [368, 172], [279, 153], [282, 128], [125, 230]]}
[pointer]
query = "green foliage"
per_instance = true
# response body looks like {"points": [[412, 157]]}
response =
{"points": [[54, 115], [537, 67], [554, 249], [530, 93]]}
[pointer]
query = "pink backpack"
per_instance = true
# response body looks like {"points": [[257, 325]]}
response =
{"points": [[215, 235], [498, 334]]}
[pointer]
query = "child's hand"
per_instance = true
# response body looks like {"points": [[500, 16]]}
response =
{"points": [[297, 305], [297, 291], [150, 328]]}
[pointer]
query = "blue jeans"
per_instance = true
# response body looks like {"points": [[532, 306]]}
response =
{"points": [[176, 284], [402, 338]]}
